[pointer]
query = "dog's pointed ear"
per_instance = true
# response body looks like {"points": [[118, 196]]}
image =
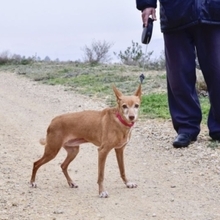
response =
{"points": [[138, 91], [118, 93]]}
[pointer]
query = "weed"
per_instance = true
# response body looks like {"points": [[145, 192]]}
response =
{"points": [[214, 145]]}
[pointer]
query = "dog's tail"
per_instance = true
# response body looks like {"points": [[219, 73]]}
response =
{"points": [[43, 141]]}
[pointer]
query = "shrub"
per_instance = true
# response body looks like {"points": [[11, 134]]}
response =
{"points": [[7, 58], [4, 57], [97, 53], [133, 55]]}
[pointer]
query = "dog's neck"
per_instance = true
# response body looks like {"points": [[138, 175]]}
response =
{"points": [[123, 121]]}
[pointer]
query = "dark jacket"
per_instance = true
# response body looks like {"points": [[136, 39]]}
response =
{"points": [[179, 14]]}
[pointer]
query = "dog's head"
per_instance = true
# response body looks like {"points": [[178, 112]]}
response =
{"points": [[128, 106]]}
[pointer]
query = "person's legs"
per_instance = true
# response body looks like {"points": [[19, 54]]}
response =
{"points": [[181, 78], [208, 50]]}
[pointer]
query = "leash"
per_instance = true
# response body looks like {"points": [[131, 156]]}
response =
{"points": [[142, 77], [145, 39]]}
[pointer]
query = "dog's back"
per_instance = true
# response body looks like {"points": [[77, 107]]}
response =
{"points": [[90, 125]]}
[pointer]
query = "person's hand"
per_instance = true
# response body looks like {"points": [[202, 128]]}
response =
{"points": [[146, 14]]}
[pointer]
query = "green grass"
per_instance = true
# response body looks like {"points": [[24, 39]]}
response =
{"points": [[205, 106], [155, 105]]}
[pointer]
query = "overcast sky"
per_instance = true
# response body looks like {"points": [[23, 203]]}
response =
{"points": [[61, 28]]}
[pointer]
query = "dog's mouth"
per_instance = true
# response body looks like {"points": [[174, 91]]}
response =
{"points": [[128, 124]]}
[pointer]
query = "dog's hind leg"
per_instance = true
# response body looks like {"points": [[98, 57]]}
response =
{"points": [[50, 152], [71, 154], [120, 158]]}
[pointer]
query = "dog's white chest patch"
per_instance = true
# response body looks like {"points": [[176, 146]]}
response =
{"points": [[125, 140]]}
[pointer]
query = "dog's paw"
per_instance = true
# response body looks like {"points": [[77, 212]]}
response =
{"points": [[33, 185], [103, 194], [131, 185], [73, 185]]}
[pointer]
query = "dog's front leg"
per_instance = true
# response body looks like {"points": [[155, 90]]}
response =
{"points": [[120, 158], [102, 155]]}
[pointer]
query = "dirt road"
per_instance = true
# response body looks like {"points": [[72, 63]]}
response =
{"points": [[172, 184]]}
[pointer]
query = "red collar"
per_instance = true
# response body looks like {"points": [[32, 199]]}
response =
{"points": [[123, 121]]}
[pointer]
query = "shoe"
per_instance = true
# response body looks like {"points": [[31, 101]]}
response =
{"points": [[183, 140], [215, 137]]}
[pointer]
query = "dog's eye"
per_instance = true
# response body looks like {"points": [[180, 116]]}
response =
{"points": [[124, 106], [136, 106]]}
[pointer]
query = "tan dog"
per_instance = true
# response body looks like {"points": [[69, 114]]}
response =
{"points": [[108, 129]]}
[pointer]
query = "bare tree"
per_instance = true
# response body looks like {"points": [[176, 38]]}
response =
{"points": [[4, 57], [98, 52]]}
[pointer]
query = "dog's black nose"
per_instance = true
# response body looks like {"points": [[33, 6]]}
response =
{"points": [[131, 118]]}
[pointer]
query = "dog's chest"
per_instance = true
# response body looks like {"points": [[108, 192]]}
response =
{"points": [[124, 139]]}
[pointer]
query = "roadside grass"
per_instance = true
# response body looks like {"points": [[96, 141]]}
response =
{"points": [[96, 81], [155, 105]]}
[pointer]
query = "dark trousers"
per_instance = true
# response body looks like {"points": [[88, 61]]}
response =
{"points": [[180, 52]]}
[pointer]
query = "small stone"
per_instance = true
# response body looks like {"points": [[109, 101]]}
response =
{"points": [[58, 212]]}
